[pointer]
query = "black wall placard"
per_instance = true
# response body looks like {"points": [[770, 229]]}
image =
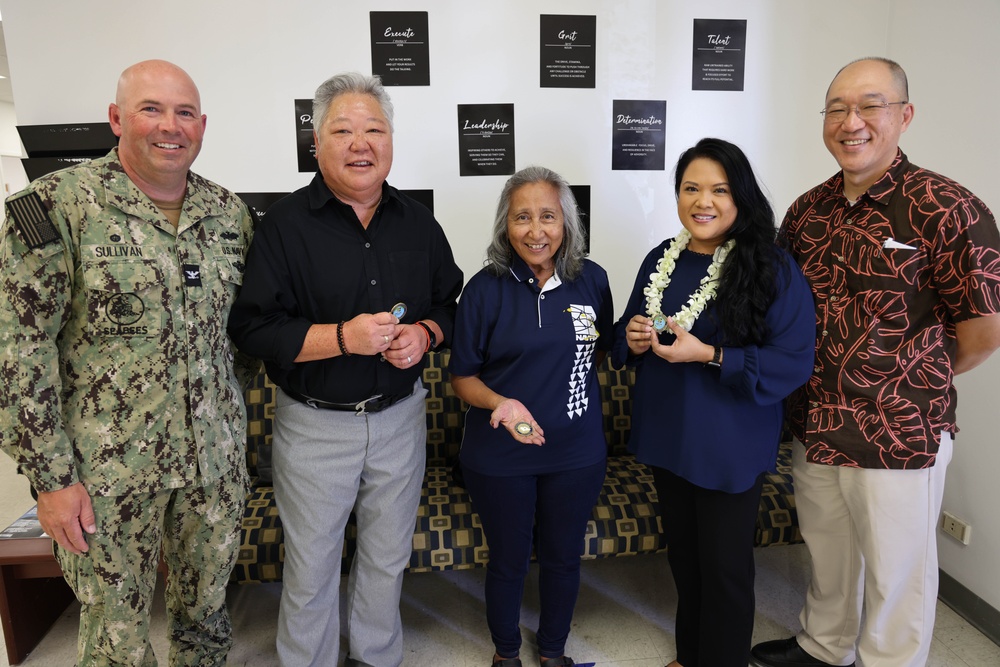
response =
{"points": [[259, 202], [568, 51], [638, 134], [76, 140], [305, 147], [486, 139], [719, 59], [425, 197], [400, 48]]}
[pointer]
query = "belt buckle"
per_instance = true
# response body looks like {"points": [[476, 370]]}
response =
{"points": [[360, 407]]}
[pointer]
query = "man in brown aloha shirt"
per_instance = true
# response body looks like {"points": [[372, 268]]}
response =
{"points": [[904, 266]]}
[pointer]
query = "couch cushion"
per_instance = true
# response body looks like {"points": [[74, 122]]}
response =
{"points": [[777, 522]]}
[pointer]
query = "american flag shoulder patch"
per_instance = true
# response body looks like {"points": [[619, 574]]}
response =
{"points": [[31, 220]]}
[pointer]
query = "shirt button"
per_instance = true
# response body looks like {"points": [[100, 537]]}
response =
{"points": [[826, 333], [368, 245], [531, 280], [833, 299], [542, 296], [373, 282], [849, 221], [813, 404]]}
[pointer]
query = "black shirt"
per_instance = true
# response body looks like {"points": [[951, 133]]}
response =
{"points": [[312, 262]]}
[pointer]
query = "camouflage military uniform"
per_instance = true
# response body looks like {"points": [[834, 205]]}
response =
{"points": [[118, 373]]}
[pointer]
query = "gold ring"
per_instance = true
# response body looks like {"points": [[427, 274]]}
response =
{"points": [[386, 338]]}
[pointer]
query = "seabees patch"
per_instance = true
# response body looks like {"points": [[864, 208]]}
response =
{"points": [[31, 220]]}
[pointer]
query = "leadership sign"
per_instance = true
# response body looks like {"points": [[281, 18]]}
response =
{"points": [[486, 139]]}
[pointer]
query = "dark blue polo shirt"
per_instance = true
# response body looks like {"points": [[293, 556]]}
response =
{"points": [[537, 346]]}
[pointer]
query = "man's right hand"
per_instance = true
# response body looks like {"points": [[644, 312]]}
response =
{"points": [[65, 515]]}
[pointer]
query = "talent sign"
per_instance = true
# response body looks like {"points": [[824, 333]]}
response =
{"points": [[486, 139], [568, 51], [719, 60], [400, 49], [305, 147], [638, 135]]}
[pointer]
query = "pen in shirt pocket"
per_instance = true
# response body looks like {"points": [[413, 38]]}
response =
{"points": [[891, 243]]}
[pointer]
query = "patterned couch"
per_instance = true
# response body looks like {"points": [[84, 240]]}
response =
{"points": [[447, 534]]}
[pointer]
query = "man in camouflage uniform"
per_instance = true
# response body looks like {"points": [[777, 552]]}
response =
{"points": [[123, 390]]}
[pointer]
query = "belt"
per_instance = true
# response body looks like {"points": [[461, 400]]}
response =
{"points": [[375, 403]]}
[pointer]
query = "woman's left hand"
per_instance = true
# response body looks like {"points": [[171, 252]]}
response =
{"points": [[686, 346], [511, 412]]}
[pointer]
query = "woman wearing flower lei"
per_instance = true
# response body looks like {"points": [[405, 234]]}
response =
{"points": [[720, 327]]}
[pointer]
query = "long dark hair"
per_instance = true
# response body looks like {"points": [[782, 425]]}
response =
{"points": [[747, 284]]}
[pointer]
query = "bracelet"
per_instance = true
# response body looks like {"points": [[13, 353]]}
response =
{"points": [[430, 336], [340, 340]]}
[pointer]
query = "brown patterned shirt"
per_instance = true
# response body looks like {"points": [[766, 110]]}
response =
{"points": [[891, 275]]}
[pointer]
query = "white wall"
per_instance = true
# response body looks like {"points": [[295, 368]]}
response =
{"points": [[954, 70], [251, 58], [11, 172]]}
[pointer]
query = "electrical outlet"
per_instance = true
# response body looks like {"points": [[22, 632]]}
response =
{"points": [[952, 525]]}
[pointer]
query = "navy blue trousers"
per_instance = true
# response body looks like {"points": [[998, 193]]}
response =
{"points": [[559, 504], [710, 537]]}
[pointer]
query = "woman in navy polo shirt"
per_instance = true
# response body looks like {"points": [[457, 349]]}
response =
{"points": [[738, 330], [531, 329]]}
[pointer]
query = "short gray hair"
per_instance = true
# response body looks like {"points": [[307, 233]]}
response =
{"points": [[344, 84], [569, 257]]}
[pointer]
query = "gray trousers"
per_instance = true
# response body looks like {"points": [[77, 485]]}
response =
{"points": [[326, 464]]}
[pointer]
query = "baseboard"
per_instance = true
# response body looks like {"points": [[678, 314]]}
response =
{"points": [[969, 606]]}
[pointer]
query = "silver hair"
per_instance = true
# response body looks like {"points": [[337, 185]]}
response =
{"points": [[569, 257], [344, 84]]}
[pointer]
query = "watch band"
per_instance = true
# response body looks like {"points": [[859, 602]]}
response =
{"points": [[716, 361], [431, 338]]}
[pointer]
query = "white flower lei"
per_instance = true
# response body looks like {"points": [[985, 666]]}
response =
{"points": [[658, 281]]}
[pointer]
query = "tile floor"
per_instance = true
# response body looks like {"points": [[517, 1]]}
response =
{"points": [[624, 617]]}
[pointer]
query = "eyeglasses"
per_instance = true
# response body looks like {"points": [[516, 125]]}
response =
{"points": [[838, 113]]}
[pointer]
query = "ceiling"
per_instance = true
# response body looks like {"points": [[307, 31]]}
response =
{"points": [[6, 92]]}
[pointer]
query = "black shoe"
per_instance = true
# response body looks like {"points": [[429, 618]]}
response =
{"points": [[507, 662], [784, 653]]}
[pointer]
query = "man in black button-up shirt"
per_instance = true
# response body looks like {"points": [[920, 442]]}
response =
{"points": [[326, 273]]}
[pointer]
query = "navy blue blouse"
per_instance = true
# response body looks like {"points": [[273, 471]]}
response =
{"points": [[537, 346], [718, 429]]}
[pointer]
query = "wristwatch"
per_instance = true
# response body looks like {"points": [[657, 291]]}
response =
{"points": [[431, 338], [716, 361]]}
